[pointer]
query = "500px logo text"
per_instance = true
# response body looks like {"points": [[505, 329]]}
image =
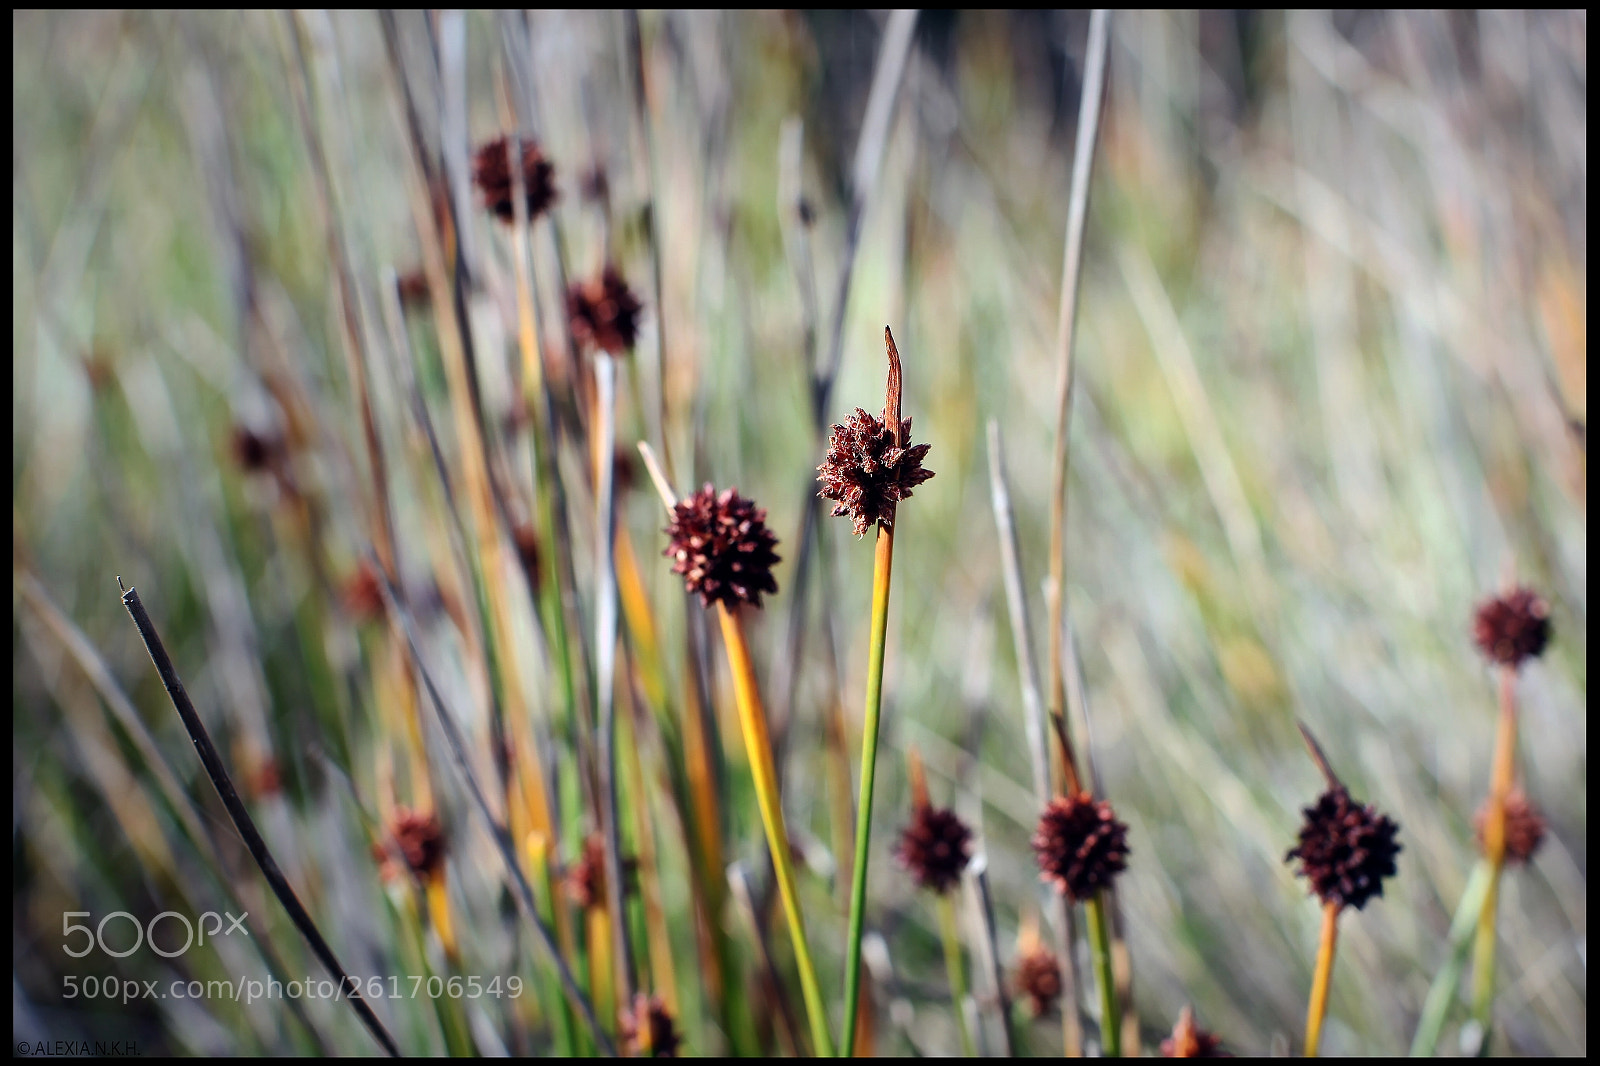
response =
{"points": [[95, 936]]}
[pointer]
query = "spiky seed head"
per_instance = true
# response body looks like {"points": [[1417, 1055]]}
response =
{"points": [[1080, 845], [420, 840], [492, 174], [1513, 628], [1038, 977], [1345, 849], [1525, 827], [935, 848], [721, 545], [604, 313], [866, 472], [648, 1030], [1189, 1041]]}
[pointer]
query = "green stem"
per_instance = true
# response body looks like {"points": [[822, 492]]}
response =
{"points": [[1100, 956], [884, 562], [1442, 993], [958, 974]]}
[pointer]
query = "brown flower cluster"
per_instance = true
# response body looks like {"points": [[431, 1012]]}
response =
{"points": [[1525, 827], [1189, 1041], [935, 848], [722, 547], [866, 472], [1038, 977], [604, 313], [492, 174], [420, 840], [1080, 845], [586, 878], [648, 1030], [1345, 849], [1512, 628]]}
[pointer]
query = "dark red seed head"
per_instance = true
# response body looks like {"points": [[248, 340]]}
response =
{"points": [[1189, 1041], [866, 473], [492, 174], [604, 313], [1080, 845], [1038, 977], [420, 840], [1346, 850], [721, 545], [1525, 827], [935, 848], [648, 1030], [1513, 628]]}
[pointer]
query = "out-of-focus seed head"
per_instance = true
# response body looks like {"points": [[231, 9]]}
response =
{"points": [[1080, 845], [1345, 849], [935, 848], [1038, 977], [363, 599], [648, 1030], [866, 473], [254, 451], [604, 313], [1189, 1041], [1525, 827], [721, 545], [492, 174], [586, 878], [420, 840], [1513, 628]]}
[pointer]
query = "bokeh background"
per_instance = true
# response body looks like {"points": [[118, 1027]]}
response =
{"points": [[1331, 392]]}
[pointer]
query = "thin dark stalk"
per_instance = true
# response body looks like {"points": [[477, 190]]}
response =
{"points": [[242, 821], [991, 950], [502, 838]]}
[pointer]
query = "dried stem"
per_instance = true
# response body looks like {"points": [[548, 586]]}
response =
{"points": [[1077, 212], [991, 944], [758, 745], [1028, 677], [243, 822]]}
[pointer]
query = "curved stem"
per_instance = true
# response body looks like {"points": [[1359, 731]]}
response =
{"points": [[883, 563], [758, 745], [1320, 982]]}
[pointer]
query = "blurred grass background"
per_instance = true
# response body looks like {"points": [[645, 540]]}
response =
{"points": [[1332, 391]]}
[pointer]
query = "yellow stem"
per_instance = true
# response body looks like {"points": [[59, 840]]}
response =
{"points": [[1322, 979], [1501, 778], [758, 744]]}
